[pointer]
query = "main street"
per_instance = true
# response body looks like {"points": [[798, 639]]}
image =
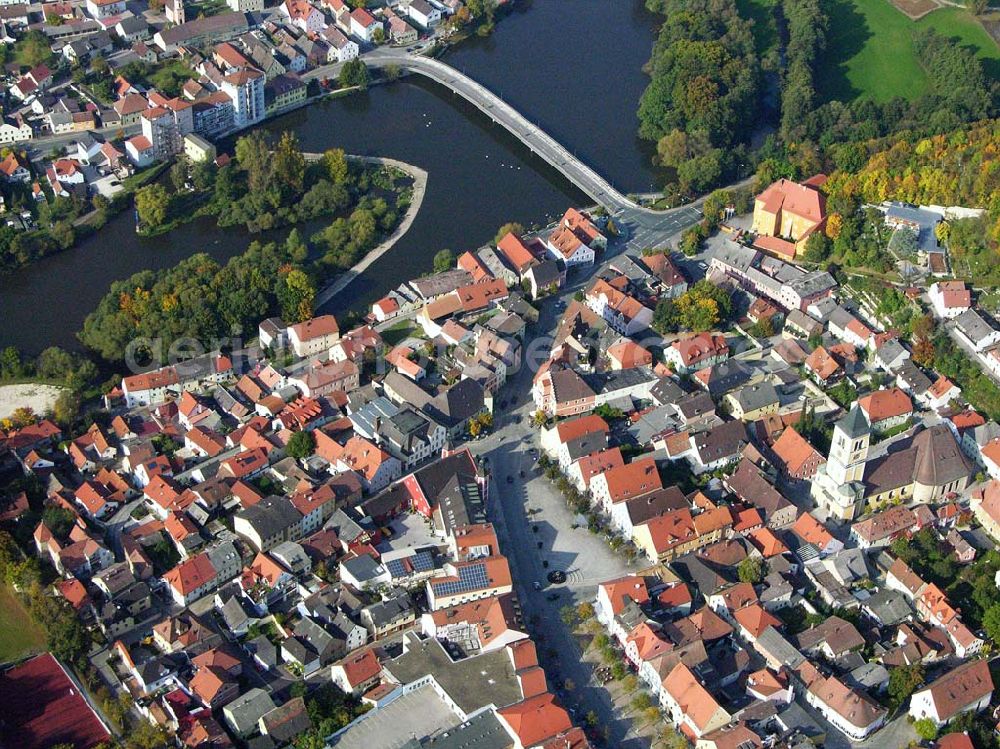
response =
{"points": [[540, 534]]}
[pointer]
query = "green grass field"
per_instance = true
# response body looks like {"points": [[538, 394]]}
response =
{"points": [[19, 635], [870, 51]]}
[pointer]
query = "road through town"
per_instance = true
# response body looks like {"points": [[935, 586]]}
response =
{"points": [[540, 534]]}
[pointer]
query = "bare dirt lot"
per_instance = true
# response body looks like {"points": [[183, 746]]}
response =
{"points": [[36, 396], [916, 8]]}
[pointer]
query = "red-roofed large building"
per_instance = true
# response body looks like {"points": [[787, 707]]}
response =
{"points": [[968, 687], [631, 480], [468, 581], [534, 720], [314, 336], [357, 673], [516, 253], [568, 440], [489, 624], [201, 574], [622, 312], [791, 212], [986, 508], [43, 708], [886, 409], [303, 15], [690, 705], [614, 595], [363, 25], [796, 458], [690, 354], [950, 298], [576, 240]]}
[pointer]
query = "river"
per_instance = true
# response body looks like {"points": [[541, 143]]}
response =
{"points": [[572, 66]]}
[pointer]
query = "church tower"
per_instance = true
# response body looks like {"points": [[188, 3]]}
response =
{"points": [[849, 449], [838, 485], [175, 12]]}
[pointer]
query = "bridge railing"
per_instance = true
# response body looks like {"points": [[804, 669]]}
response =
{"points": [[551, 150]]}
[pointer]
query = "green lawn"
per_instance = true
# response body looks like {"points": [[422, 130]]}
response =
{"points": [[19, 635], [870, 51], [398, 332]]}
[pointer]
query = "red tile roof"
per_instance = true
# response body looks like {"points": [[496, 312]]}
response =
{"points": [[633, 479], [536, 719], [700, 347], [316, 327], [361, 666], [954, 294], [886, 404], [516, 252], [693, 699], [633, 587], [797, 199], [795, 452], [190, 574], [43, 708], [961, 687], [572, 429]]}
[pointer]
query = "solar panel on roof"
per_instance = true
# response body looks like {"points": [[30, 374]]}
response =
{"points": [[423, 561], [397, 568], [470, 577]]}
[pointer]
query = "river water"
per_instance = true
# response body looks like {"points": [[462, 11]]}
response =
{"points": [[572, 66]]}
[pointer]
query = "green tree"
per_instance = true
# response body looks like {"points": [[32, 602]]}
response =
{"points": [[55, 363], [362, 228], [671, 738], [152, 202], [59, 521], [511, 227], [444, 260], [817, 248], [991, 621], [145, 735], [301, 445], [926, 729], [641, 701], [666, 318], [289, 165], [66, 408], [295, 295], [354, 73], [253, 154], [568, 616], [296, 247], [179, 173], [751, 570], [903, 681], [33, 49], [336, 165]]}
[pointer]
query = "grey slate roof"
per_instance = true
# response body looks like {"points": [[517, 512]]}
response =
{"points": [[389, 611], [890, 607], [243, 713], [757, 396], [271, 516], [481, 732], [854, 424]]}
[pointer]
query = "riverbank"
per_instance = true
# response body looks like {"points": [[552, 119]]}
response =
{"points": [[419, 177]]}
